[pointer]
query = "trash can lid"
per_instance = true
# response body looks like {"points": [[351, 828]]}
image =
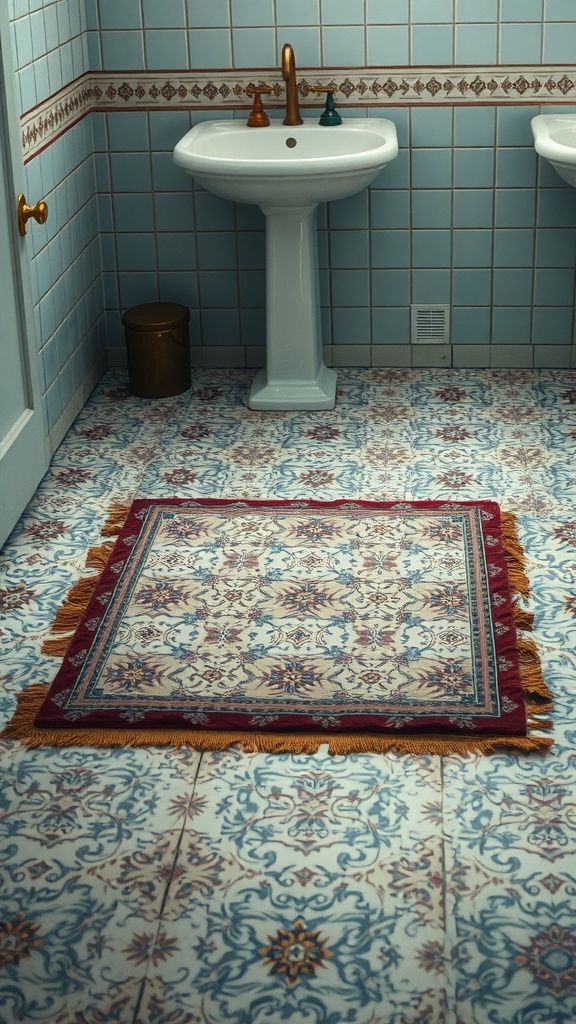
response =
{"points": [[156, 316]]}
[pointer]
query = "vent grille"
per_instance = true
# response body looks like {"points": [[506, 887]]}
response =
{"points": [[430, 325]]}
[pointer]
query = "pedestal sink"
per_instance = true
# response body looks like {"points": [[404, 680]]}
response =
{"points": [[287, 171], [555, 139]]}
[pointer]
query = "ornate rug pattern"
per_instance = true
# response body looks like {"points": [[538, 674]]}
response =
{"points": [[282, 625]]}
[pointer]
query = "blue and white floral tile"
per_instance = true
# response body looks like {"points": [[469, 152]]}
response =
{"points": [[88, 840], [307, 882]]}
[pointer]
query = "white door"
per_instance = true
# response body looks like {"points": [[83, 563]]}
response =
{"points": [[23, 448]]}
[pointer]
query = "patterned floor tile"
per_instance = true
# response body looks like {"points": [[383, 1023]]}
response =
{"points": [[164, 887], [308, 882]]}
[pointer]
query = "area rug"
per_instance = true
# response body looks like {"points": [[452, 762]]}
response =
{"points": [[284, 625]]}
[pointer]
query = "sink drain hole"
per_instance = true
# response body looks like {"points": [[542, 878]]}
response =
{"points": [[291, 142]]}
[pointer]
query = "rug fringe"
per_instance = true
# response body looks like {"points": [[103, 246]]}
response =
{"points": [[515, 556], [523, 619], [70, 615], [98, 556], [22, 728], [116, 518]]}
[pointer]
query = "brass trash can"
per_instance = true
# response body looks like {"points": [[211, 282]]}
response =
{"points": [[158, 349]]}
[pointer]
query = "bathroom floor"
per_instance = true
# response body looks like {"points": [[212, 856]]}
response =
{"points": [[164, 886]]}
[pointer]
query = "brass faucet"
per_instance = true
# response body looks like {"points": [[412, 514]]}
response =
{"points": [[289, 76]]}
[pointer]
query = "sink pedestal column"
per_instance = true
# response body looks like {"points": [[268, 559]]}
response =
{"points": [[295, 376]]}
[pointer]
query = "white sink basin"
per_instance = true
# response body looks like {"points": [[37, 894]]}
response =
{"points": [[555, 139], [288, 171], [283, 165]]}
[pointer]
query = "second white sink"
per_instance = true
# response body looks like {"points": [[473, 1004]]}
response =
{"points": [[555, 139]]}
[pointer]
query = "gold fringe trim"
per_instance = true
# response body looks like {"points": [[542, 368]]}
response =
{"points": [[523, 619], [514, 552], [116, 519], [97, 557], [22, 728]]}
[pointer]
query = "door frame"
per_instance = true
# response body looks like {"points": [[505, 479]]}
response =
{"points": [[13, 167]]}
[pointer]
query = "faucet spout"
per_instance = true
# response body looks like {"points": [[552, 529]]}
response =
{"points": [[289, 76]]}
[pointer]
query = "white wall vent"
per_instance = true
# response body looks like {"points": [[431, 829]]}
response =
{"points": [[430, 325]]}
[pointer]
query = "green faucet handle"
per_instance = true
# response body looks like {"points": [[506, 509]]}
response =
{"points": [[330, 116]]}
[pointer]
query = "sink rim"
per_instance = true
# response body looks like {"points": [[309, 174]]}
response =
{"points": [[544, 128], [196, 163]]}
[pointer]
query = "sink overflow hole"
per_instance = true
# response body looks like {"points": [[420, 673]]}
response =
{"points": [[290, 142]]}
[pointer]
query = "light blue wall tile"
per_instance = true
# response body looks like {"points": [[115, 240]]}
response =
{"points": [[349, 249], [390, 209], [122, 51], [390, 287], [431, 248], [473, 208], [218, 289], [476, 44], [390, 326], [120, 15], [210, 48], [512, 287], [552, 325], [432, 44], [390, 249], [432, 128], [343, 12], [474, 168], [343, 45], [470, 326], [350, 287], [513, 247], [298, 12], [164, 14], [474, 127], [431, 286], [220, 327], [516, 167], [520, 43], [213, 213], [135, 251], [554, 287], [133, 212], [216, 250], [559, 42], [128, 131], [387, 12], [472, 248], [165, 49], [431, 168], [256, 13], [520, 10], [471, 287], [351, 326], [555, 248], [511, 325], [388, 45], [430, 11], [471, 10], [431, 208], [130, 172], [515, 207], [254, 47]]}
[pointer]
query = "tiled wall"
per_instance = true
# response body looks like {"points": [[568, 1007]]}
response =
{"points": [[465, 216], [248, 33], [50, 49]]}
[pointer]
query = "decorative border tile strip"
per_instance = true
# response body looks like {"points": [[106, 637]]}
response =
{"points": [[226, 90]]}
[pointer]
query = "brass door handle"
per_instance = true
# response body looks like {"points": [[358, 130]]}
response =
{"points": [[38, 212]]}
